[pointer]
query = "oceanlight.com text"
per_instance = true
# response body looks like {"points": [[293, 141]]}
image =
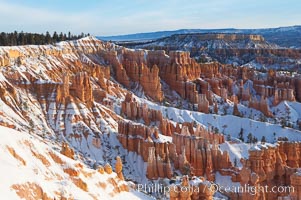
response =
{"points": [[253, 190]]}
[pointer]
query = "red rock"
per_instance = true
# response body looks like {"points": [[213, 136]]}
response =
{"points": [[67, 151], [108, 168], [81, 88], [118, 168], [203, 104], [235, 110], [261, 105], [63, 90]]}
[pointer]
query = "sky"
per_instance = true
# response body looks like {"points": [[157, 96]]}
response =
{"points": [[117, 17]]}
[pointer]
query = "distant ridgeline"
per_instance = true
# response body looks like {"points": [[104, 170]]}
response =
{"points": [[21, 38]]}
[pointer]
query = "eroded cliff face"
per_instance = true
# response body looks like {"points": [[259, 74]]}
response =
{"points": [[59, 94], [192, 149], [271, 166], [92, 100], [199, 82], [229, 48]]}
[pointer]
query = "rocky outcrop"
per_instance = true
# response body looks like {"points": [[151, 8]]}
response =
{"points": [[81, 88], [108, 168], [203, 104], [30, 191], [271, 166], [137, 70], [111, 57], [189, 150], [190, 79], [195, 149], [131, 66], [282, 95], [235, 110], [147, 143], [134, 110], [4, 60], [176, 70], [229, 37], [261, 105], [67, 151], [63, 90], [118, 168], [298, 89]]}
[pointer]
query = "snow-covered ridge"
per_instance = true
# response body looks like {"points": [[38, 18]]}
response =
{"points": [[87, 44], [282, 36], [212, 41]]}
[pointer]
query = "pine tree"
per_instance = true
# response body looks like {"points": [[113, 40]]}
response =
{"points": [[235, 162], [14, 38], [274, 134], [30, 39], [61, 37], [254, 140], [249, 138], [82, 35], [55, 37], [216, 131], [48, 39], [228, 137], [263, 140], [3, 39], [241, 135], [21, 38]]}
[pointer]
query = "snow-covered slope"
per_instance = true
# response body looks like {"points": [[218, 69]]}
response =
{"points": [[33, 168]]}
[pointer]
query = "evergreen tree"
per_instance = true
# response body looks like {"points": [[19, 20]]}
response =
{"points": [[263, 140], [228, 137], [235, 162], [249, 138], [55, 37], [241, 135], [61, 37], [48, 39], [81, 35], [274, 134], [216, 131], [14, 38], [3, 39], [21, 38], [254, 140], [30, 39]]}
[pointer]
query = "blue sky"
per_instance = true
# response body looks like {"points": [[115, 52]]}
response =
{"points": [[114, 17]]}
